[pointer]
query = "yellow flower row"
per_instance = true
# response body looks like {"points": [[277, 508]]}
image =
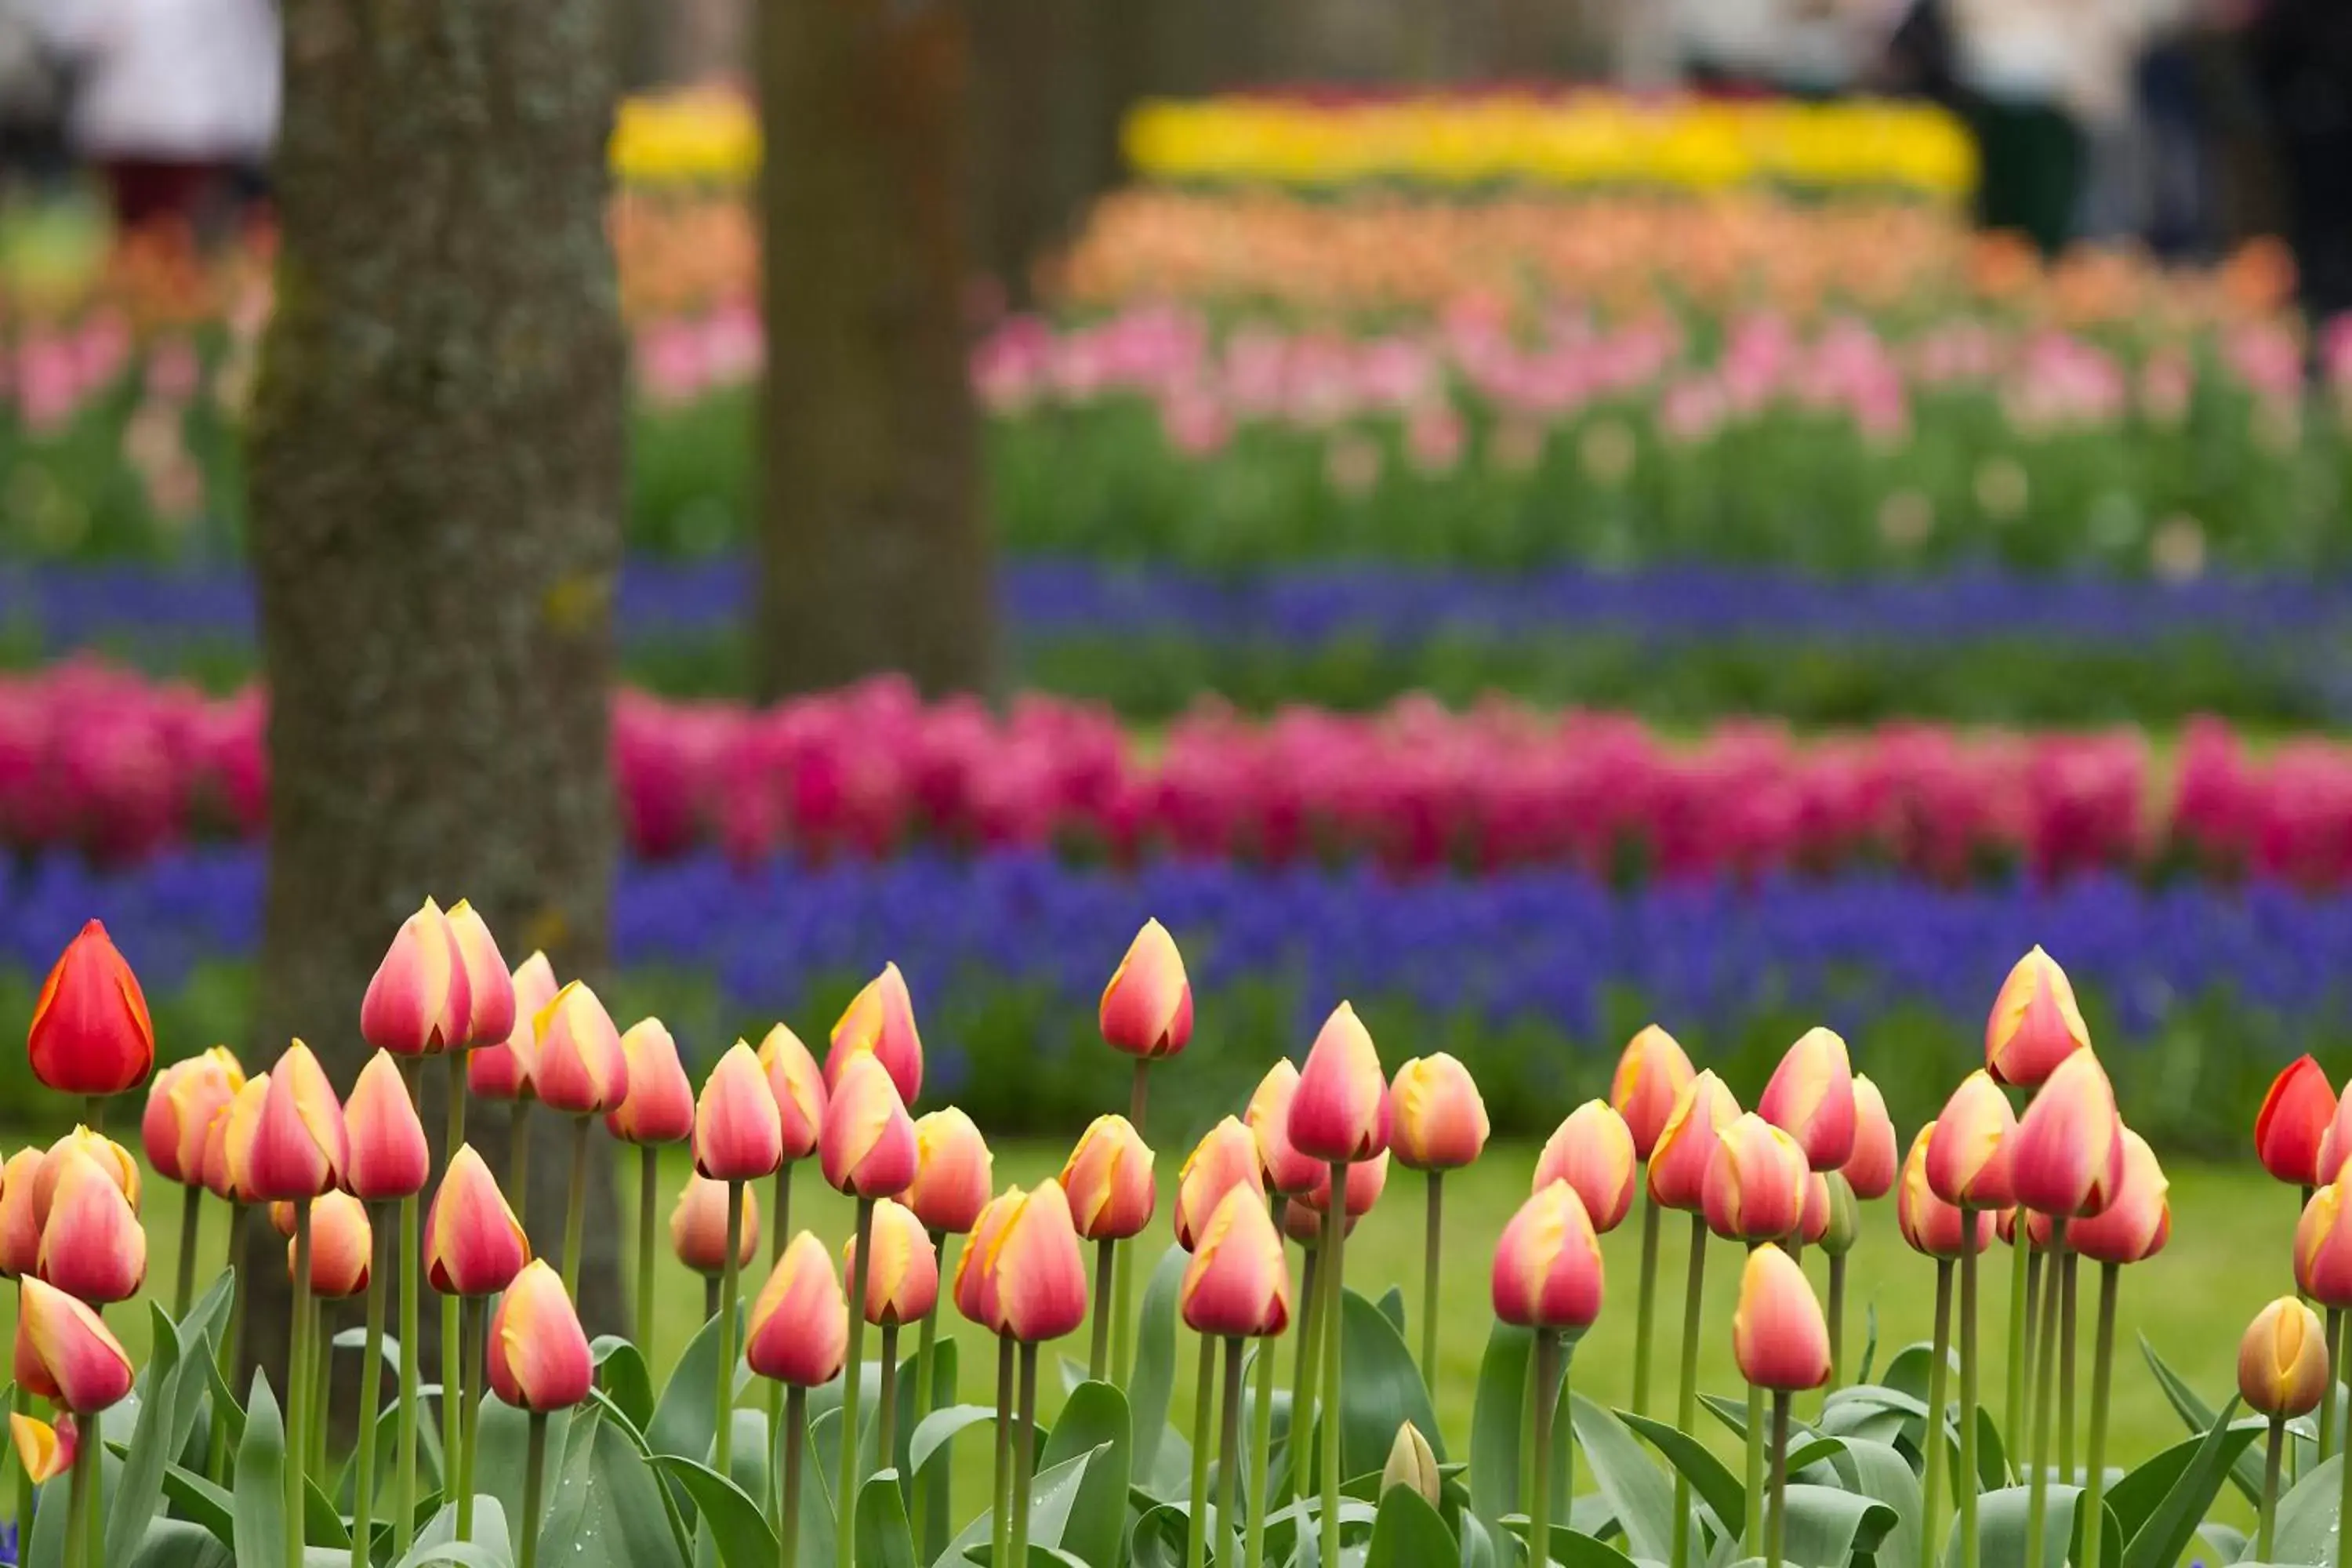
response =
{"points": [[701, 135]]}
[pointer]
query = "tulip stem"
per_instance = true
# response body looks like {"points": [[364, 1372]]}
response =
{"points": [[2020, 1318], [534, 1464], [1024, 1455], [1302, 1383], [2066, 1336], [1204, 1410], [404, 1522], [2103, 1353], [323, 1386], [84, 1541], [298, 1383], [22, 1405], [371, 1389], [2344, 1510], [1646, 1303], [1777, 1542], [722, 1441], [853, 1384], [231, 1343], [1261, 1477], [2334, 1335], [2268, 1519], [1099, 1351], [886, 1413], [1753, 1537], [519, 1157], [1000, 1524], [575, 1208], [925, 1349], [788, 1522], [476, 1354], [93, 1112], [1433, 1253], [1334, 1307], [1964, 1487], [1229, 1442], [192, 1220], [1546, 1361], [1122, 1326], [1837, 1322], [453, 1370], [783, 1218], [1686, 1396], [710, 1297], [648, 1203], [2037, 1497], [1933, 1461]]}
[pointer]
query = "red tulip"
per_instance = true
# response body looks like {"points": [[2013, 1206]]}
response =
{"points": [[295, 1146], [1439, 1122], [1778, 1333], [2069, 1157], [1147, 1008], [506, 1069], [2137, 1223], [342, 1243], [1225, 1159], [1754, 1187], [1871, 1169], [63, 1353], [582, 1068], [474, 1246], [659, 1106], [1285, 1170], [903, 1280], [91, 1035], [1237, 1283], [868, 1144], [1970, 1160], [418, 989], [1548, 1271], [1109, 1181], [2282, 1361], [737, 1135], [91, 1246], [2294, 1121], [1686, 1144], [538, 1355], [182, 1101], [798, 1332], [2035, 1024], [954, 1172], [798, 1088], [1342, 1110], [879, 1022], [490, 1013], [697, 1227], [388, 1157], [1041, 1275], [1811, 1097], [1651, 1076]]}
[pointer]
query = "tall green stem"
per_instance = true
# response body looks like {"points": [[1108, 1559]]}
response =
{"points": [[1837, 1322], [85, 1541], [788, 1529], [1934, 1461], [1204, 1410], [2334, 1332], [412, 1269], [1753, 1539], [1229, 1442], [853, 1388], [534, 1465], [1309, 1360], [1098, 1351], [1123, 1273], [575, 1209], [1261, 1477], [1646, 1303], [230, 1346], [371, 1388], [1565, 1411], [1777, 1543], [648, 1206], [1024, 1455], [781, 1237], [1546, 1370], [2268, 1518], [2066, 1335], [2344, 1512], [191, 1217], [2103, 1353], [1433, 1255], [2020, 1318], [1964, 1488], [323, 1386], [886, 1410], [1686, 1395], [925, 1350], [519, 1156], [471, 1353], [1335, 1303], [2037, 1497], [453, 1373], [22, 1404], [722, 1403], [298, 1384], [1000, 1512]]}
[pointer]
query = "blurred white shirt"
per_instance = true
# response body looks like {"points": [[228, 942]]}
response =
{"points": [[170, 78]]}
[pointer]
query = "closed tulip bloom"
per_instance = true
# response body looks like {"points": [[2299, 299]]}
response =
{"points": [[1843, 1226], [2034, 1024], [297, 1146], [489, 1014], [20, 1227], [869, 1146], [341, 1243], [110, 1156], [65, 1354], [2134, 1226], [1548, 1271], [1367, 1179], [1930, 1224], [1041, 1274], [1285, 1170], [1754, 1188], [1685, 1146], [736, 1133], [538, 1355], [92, 1247], [1872, 1168], [2293, 1122], [698, 1226], [1237, 1284], [1593, 1151], [798, 1332], [1651, 1076], [2323, 1246], [1303, 1222], [879, 1022], [474, 1246], [1438, 1121], [2069, 1156], [46, 1452], [1970, 1160], [388, 1157], [1811, 1097], [1109, 1180], [1341, 1109], [903, 1280], [231, 1137], [954, 1173], [2282, 1361], [581, 1070], [1814, 1222], [659, 1106], [1778, 1336], [2336, 1143], [1412, 1464], [1147, 1008], [507, 1068], [417, 989], [1225, 1159], [181, 1104], [281, 1218], [91, 1035], [975, 1276], [798, 1086]]}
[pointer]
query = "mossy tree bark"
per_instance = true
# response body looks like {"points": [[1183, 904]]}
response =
{"points": [[437, 478], [875, 555]]}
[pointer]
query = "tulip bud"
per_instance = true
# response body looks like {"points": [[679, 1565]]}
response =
{"points": [[1811, 1097], [1971, 1162], [538, 1355], [342, 1242], [736, 1133], [2294, 1121], [1841, 1226], [508, 1069], [975, 1276], [798, 1332], [388, 1157], [2069, 1157], [490, 1016], [474, 1246], [1109, 1181], [1147, 1008], [1340, 1110], [1930, 1224], [91, 1246], [1593, 1151], [1651, 1076], [1041, 1275], [417, 989], [698, 1226], [903, 1280], [2137, 1223], [869, 1143], [110, 1156], [879, 1022], [1686, 1144], [660, 1106], [1412, 1464], [1303, 1222], [2282, 1361], [1225, 1159], [20, 1226], [2005, 1225], [2035, 1024], [1367, 1179], [1754, 1187], [63, 1352], [2336, 1143], [1548, 1270], [1778, 1333], [799, 1090], [954, 1172], [1439, 1121], [1814, 1222], [1285, 1170], [582, 1068], [91, 1035], [2323, 1246], [296, 1145], [181, 1104], [46, 1452], [1237, 1283], [1871, 1169]]}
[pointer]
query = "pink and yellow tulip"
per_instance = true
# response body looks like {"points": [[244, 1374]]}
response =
{"points": [[388, 1156], [1754, 1187], [538, 1354], [1594, 1152], [1147, 1008], [879, 1022], [2034, 1024], [1811, 1097]]}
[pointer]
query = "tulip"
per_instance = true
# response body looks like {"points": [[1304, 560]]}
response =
{"points": [[867, 1148], [2336, 1143], [1303, 1222], [295, 1146], [108, 1156], [1841, 1229], [697, 1227], [417, 989], [879, 1022], [1872, 1168], [63, 1352], [46, 1452], [1754, 1188], [1285, 1170], [1041, 1287], [1340, 1110], [1933, 1227], [1651, 1076], [490, 1013], [1546, 1276], [2323, 1270], [1236, 1282], [538, 1361], [2034, 1024], [1780, 1342], [582, 1068], [1677, 1169], [507, 1068], [902, 1286], [20, 1226], [1367, 1179], [340, 1242], [2132, 1228], [1439, 1120], [1970, 1164], [797, 1335], [1225, 1159], [181, 1103], [474, 1246], [1112, 1191], [1811, 1097], [736, 1132], [91, 1245], [2293, 1122], [660, 1105], [90, 1033], [954, 1173], [798, 1087], [2069, 1146], [2283, 1372], [387, 1155], [1593, 1151], [1147, 1008], [1412, 1464], [974, 1287], [1814, 1222]]}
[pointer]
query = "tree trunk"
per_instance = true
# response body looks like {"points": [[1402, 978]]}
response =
{"points": [[875, 557], [437, 473]]}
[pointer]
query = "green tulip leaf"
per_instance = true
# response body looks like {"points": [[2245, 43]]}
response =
{"points": [[885, 1540], [196, 1499], [936, 1431], [1094, 1420], [1503, 1375], [2305, 1526], [1637, 1490], [1408, 1533], [2159, 1541], [1380, 1389], [1156, 1465], [2246, 1473], [621, 1372], [155, 1437], [1392, 1306], [260, 1495], [1571, 1548], [1880, 1472], [1724, 1494], [1828, 1527], [737, 1529]]}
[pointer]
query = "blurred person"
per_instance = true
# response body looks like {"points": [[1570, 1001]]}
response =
{"points": [[2301, 53], [173, 101], [32, 95]]}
